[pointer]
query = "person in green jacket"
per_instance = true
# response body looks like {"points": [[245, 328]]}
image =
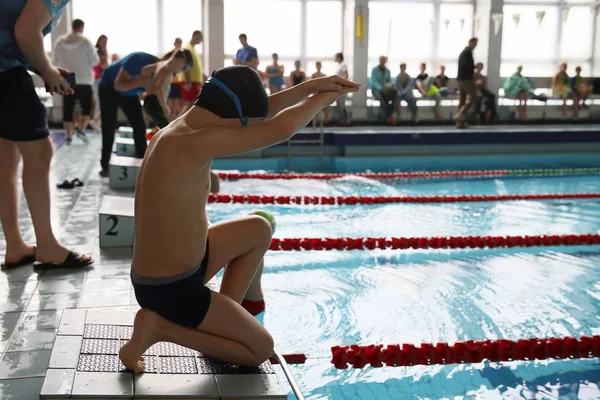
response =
{"points": [[518, 87]]}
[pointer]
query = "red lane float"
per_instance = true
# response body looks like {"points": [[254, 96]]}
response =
{"points": [[298, 358], [471, 351], [452, 242], [353, 200], [372, 175]]}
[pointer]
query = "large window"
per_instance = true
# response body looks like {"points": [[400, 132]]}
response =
{"points": [[324, 28], [576, 41], [529, 42], [128, 24], [455, 29], [403, 32], [272, 26], [180, 19]]}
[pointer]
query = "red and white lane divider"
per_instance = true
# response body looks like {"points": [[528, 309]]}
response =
{"points": [[412, 175], [370, 200], [452, 242]]}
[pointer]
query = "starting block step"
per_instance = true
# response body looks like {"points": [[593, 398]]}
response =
{"points": [[125, 147], [123, 172], [126, 132], [116, 221]]}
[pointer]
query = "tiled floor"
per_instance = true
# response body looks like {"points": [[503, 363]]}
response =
{"points": [[43, 316]]}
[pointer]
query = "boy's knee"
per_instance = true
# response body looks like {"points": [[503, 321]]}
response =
{"points": [[264, 349], [262, 229]]}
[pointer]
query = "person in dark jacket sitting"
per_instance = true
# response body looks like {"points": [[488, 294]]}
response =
{"points": [[465, 83]]}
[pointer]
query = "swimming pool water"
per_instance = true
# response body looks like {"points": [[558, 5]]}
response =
{"points": [[319, 299]]}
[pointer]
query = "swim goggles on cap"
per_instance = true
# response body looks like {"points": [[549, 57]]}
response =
{"points": [[236, 100]]}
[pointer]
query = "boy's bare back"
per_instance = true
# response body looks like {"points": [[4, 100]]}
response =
{"points": [[170, 206]]}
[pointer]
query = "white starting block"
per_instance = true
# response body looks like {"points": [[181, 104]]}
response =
{"points": [[123, 172], [126, 132], [125, 147], [116, 221]]}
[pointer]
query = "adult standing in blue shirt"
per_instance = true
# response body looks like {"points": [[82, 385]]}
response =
{"points": [[120, 86], [24, 131], [247, 55]]}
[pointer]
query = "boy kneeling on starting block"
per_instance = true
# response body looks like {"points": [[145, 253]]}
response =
{"points": [[176, 253]]}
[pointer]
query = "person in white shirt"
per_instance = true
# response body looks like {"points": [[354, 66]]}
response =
{"points": [[340, 107], [77, 54]]}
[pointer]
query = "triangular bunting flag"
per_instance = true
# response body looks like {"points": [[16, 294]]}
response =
{"points": [[446, 23], [497, 18], [477, 24], [517, 19], [462, 24], [540, 16], [565, 13]]}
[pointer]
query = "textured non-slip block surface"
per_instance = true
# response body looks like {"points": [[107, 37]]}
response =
{"points": [[101, 343], [209, 366]]}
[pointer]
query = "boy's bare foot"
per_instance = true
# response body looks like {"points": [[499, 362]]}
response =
{"points": [[145, 334]]}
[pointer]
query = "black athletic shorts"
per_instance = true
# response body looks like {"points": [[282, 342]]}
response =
{"points": [[182, 299], [175, 92], [84, 94], [155, 111], [22, 114]]}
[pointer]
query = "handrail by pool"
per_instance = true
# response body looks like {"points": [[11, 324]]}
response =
{"points": [[288, 375]]}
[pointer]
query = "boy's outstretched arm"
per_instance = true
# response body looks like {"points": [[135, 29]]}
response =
{"points": [[288, 97], [228, 141]]}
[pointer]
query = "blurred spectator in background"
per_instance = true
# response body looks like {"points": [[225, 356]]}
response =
{"points": [[581, 87], [323, 116], [426, 85], [561, 85], [102, 52], [247, 55], [193, 77], [297, 76], [76, 53], [175, 101], [465, 83], [518, 87], [486, 100], [274, 73], [405, 85], [442, 81], [384, 90], [340, 105]]}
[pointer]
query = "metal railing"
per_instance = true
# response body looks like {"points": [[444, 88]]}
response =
{"points": [[288, 374]]}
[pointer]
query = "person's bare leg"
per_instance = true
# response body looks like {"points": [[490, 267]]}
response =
{"points": [[564, 106], [36, 185], [228, 333], [215, 182], [83, 122], [69, 126], [16, 248]]}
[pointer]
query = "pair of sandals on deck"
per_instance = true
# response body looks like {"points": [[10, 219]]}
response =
{"points": [[73, 261]]}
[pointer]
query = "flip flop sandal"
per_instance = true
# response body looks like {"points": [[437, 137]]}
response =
{"points": [[22, 262], [76, 182], [66, 185], [73, 261]]}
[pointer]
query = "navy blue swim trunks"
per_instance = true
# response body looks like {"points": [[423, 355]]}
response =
{"points": [[22, 113], [182, 299]]}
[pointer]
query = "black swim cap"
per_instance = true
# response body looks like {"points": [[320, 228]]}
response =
{"points": [[234, 92]]}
